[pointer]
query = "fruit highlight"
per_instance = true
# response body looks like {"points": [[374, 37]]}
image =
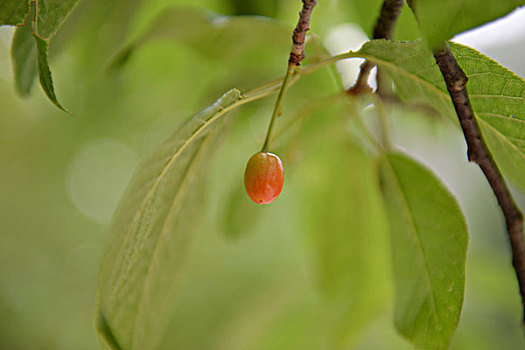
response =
{"points": [[263, 177]]}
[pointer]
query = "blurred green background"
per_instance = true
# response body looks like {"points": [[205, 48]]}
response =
{"points": [[250, 280]]}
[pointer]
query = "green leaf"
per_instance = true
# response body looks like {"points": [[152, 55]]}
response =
{"points": [[415, 73], [44, 74], [219, 37], [24, 59], [51, 14], [429, 245], [498, 98], [497, 94], [440, 20], [342, 213], [142, 263], [29, 49], [13, 12]]}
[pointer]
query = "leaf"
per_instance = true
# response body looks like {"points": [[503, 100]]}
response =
{"points": [[142, 263], [498, 98], [219, 37], [342, 213], [429, 245], [497, 94], [29, 53], [51, 14], [44, 74], [415, 73], [13, 12], [440, 20], [24, 59]]}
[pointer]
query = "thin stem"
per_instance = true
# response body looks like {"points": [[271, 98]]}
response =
{"points": [[272, 86], [330, 60], [277, 111], [275, 84], [478, 152], [296, 56]]}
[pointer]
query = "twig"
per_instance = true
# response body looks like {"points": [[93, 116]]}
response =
{"points": [[296, 56], [456, 82], [361, 84], [299, 33], [387, 19], [384, 29]]}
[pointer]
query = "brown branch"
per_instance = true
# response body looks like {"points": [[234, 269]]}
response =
{"points": [[456, 82], [387, 19], [384, 29], [299, 33], [361, 84]]}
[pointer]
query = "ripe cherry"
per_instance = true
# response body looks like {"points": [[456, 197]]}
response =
{"points": [[263, 178]]}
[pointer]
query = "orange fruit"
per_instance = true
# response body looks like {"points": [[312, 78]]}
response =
{"points": [[263, 177]]}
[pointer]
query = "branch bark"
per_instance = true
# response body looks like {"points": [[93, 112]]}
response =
{"points": [[387, 19], [456, 82], [384, 29], [299, 33]]}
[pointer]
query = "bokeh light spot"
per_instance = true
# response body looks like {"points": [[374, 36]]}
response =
{"points": [[98, 176]]}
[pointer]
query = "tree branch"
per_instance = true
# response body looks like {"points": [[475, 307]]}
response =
{"points": [[387, 19], [384, 29], [299, 33], [456, 82]]}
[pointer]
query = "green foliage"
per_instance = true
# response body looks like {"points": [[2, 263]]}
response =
{"points": [[497, 95], [29, 48], [223, 38], [44, 74], [309, 271], [498, 98], [440, 20], [348, 238], [149, 231], [412, 66], [50, 15], [429, 246], [23, 53], [29, 54], [13, 12]]}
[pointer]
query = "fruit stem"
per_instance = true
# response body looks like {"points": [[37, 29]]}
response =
{"points": [[278, 109]]}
